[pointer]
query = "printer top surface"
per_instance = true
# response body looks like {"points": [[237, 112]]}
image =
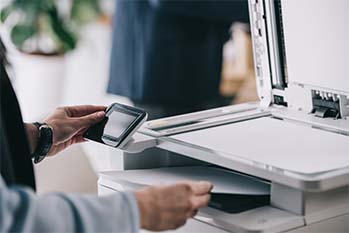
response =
{"points": [[276, 143]]}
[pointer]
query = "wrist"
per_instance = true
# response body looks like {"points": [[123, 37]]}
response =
{"points": [[141, 207], [32, 135], [143, 203], [44, 141]]}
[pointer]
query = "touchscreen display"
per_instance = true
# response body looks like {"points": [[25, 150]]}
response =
{"points": [[117, 123], [110, 130], [118, 126]]}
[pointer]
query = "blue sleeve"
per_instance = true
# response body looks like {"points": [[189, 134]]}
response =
{"points": [[22, 211], [233, 10]]}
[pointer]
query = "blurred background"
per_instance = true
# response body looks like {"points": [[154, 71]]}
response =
{"points": [[169, 57]]}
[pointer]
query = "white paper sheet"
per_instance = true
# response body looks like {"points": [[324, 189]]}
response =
{"points": [[224, 181]]}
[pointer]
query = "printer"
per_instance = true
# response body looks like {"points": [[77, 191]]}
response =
{"points": [[295, 139]]}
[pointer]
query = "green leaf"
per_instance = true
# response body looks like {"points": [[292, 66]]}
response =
{"points": [[63, 34], [85, 11], [20, 33], [25, 5], [5, 12]]}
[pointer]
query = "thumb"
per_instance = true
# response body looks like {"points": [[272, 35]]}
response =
{"points": [[91, 119]]}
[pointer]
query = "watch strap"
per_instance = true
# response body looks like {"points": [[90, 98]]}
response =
{"points": [[37, 124], [44, 143]]}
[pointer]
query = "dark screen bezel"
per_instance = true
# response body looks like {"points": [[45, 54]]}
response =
{"points": [[140, 114]]}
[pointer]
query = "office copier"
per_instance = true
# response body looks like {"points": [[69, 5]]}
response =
{"points": [[295, 139]]}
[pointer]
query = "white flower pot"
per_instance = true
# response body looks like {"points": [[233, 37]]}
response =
{"points": [[38, 82]]}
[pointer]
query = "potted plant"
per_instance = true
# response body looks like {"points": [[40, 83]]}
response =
{"points": [[43, 31]]}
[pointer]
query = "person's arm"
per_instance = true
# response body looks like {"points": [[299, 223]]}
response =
{"points": [[22, 211], [32, 134], [168, 207], [69, 125], [153, 208]]}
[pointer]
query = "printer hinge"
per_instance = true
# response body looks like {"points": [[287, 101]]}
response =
{"points": [[329, 105]]}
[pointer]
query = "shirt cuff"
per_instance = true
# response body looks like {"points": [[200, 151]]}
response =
{"points": [[133, 204]]}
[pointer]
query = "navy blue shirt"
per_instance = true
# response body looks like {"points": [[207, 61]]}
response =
{"points": [[170, 52]]}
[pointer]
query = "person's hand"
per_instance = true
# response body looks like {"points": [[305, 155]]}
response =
{"points": [[70, 123], [169, 207]]}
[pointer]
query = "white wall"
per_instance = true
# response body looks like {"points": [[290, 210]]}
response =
{"points": [[69, 171], [85, 78]]}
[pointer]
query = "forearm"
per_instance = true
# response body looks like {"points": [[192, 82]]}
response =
{"points": [[26, 212], [32, 134]]}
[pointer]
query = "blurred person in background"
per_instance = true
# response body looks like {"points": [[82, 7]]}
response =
{"points": [[152, 208], [167, 55]]}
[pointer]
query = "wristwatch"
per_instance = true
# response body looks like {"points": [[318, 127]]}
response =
{"points": [[44, 144]]}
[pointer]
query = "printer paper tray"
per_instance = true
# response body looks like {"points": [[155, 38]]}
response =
{"points": [[224, 181], [252, 217], [232, 192]]}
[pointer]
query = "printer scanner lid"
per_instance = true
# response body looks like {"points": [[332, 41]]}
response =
{"points": [[301, 52]]}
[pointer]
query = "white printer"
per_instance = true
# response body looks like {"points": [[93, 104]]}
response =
{"points": [[296, 139]]}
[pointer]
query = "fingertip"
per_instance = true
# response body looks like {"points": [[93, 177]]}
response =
{"points": [[100, 114], [101, 108], [202, 187], [198, 187], [206, 184], [96, 117], [86, 121]]}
